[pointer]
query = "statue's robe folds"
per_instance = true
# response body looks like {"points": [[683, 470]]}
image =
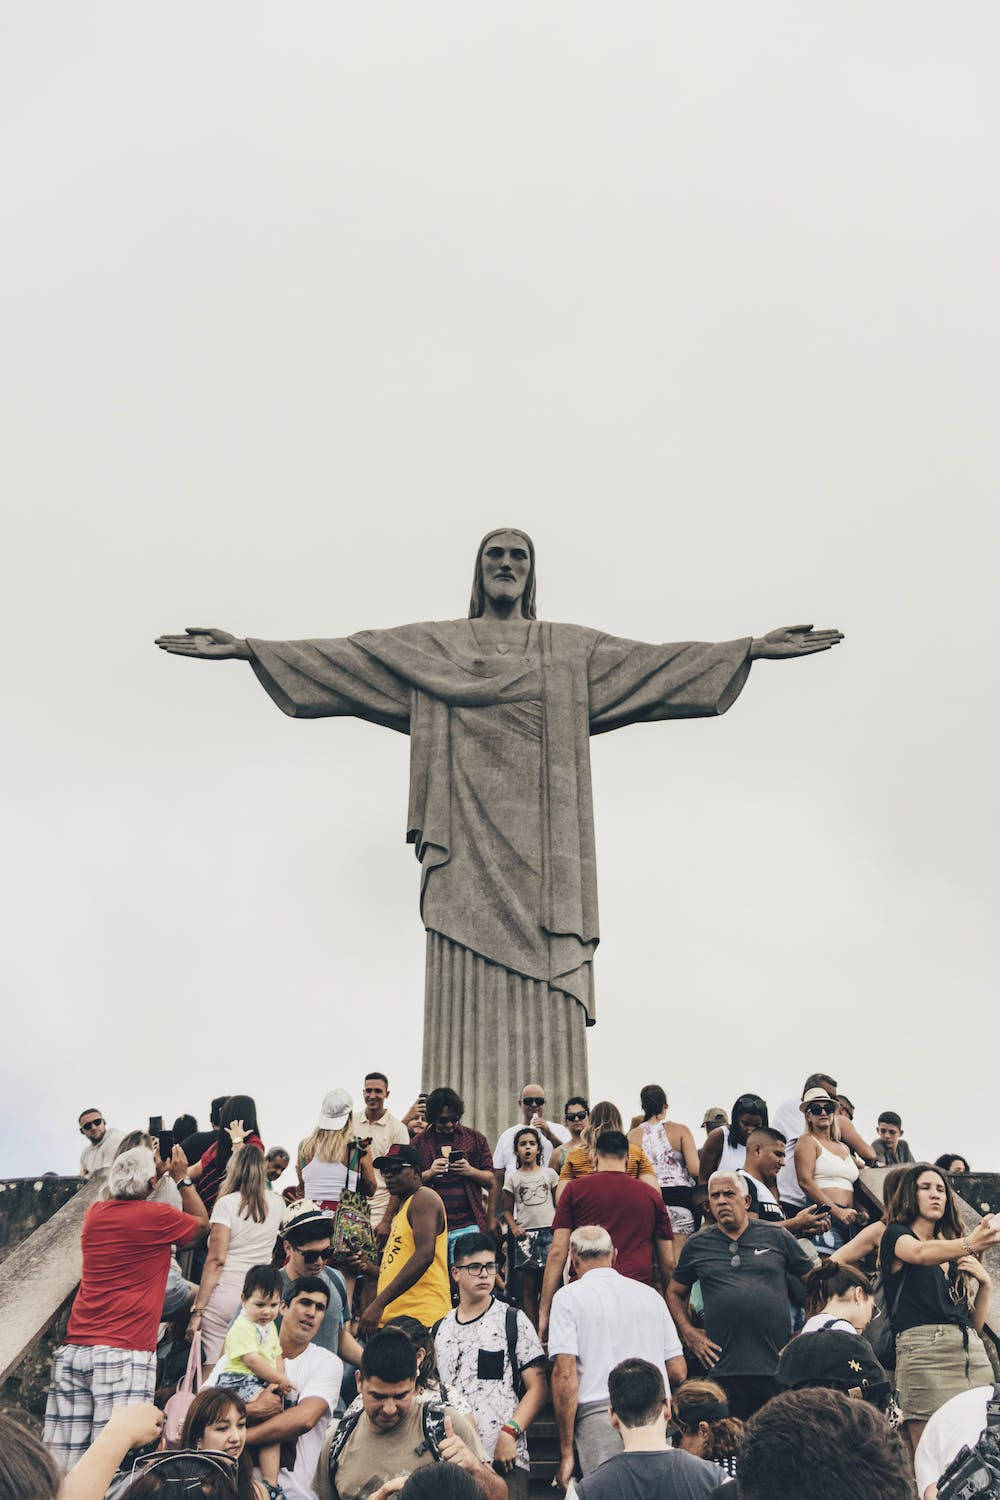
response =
{"points": [[501, 817]]}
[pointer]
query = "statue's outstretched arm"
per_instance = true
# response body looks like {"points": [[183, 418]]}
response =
{"points": [[206, 644], [792, 640]]}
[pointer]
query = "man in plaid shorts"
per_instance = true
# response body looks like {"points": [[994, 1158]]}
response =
{"points": [[109, 1357]]}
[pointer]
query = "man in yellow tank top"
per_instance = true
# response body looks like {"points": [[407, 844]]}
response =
{"points": [[413, 1277]]}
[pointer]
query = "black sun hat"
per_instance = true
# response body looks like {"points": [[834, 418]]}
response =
{"points": [[836, 1361]]}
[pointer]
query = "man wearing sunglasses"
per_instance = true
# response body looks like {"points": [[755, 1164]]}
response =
{"points": [[531, 1102], [102, 1142], [307, 1234], [742, 1265]]}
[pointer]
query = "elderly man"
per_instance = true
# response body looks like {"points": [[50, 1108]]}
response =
{"points": [[102, 1142], [597, 1321], [109, 1357], [742, 1265], [315, 1375], [375, 1123]]}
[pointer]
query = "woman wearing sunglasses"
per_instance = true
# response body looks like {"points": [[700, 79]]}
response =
{"points": [[826, 1170]]}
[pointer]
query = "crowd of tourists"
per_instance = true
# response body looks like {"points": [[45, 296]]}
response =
{"points": [[391, 1306]]}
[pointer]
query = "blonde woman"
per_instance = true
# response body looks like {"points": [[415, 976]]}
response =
{"points": [[582, 1159], [243, 1229], [827, 1170], [323, 1163]]}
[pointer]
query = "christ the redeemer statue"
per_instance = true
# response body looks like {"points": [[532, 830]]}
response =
{"points": [[500, 708]]}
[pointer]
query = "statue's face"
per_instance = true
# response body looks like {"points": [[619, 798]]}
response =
{"points": [[505, 563]]}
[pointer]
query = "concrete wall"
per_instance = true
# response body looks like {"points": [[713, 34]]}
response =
{"points": [[27, 1202]]}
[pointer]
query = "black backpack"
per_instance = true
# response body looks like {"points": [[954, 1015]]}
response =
{"points": [[431, 1415], [510, 1329]]}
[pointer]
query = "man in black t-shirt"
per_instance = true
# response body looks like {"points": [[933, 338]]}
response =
{"points": [[742, 1265]]}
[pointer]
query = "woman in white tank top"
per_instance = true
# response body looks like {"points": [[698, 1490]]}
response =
{"points": [[725, 1150], [322, 1157], [827, 1171]]}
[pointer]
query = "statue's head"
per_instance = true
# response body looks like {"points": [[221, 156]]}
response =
{"points": [[505, 570]]}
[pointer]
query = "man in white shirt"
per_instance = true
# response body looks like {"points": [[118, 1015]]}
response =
{"points": [[375, 1123], [597, 1321], [316, 1375], [531, 1102], [102, 1143]]}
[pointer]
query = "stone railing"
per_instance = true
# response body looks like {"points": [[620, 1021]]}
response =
{"points": [[37, 1280]]}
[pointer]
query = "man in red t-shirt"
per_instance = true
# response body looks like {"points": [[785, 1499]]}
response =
{"points": [[631, 1211], [109, 1357]]}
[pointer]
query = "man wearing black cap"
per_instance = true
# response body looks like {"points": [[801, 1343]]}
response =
{"points": [[413, 1276]]}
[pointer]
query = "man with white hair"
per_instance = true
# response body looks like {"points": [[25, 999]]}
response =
{"points": [[742, 1265], [109, 1357], [597, 1321]]}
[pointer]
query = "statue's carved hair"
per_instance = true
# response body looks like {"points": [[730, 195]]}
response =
{"points": [[477, 603]]}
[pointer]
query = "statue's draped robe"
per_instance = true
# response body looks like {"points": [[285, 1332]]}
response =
{"points": [[501, 814]]}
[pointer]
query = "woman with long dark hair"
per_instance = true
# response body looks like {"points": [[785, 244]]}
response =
{"points": [[217, 1423], [937, 1295], [237, 1124], [725, 1150]]}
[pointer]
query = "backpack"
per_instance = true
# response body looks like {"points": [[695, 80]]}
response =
{"points": [[510, 1330], [976, 1471], [881, 1335], [432, 1419]]}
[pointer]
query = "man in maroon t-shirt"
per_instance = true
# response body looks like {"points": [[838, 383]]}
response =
{"points": [[631, 1211], [458, 1164], [109, 1357]]}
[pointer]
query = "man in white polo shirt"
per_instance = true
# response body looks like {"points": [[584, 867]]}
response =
{"points": [[375, 1123], [597, 1321]]}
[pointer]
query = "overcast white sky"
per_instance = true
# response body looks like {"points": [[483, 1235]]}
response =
{"points": [[296, 304]]}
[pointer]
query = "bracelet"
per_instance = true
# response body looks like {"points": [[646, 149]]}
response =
{"points": [[514, 1428]]}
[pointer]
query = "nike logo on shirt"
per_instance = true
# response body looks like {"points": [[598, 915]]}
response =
{"points": [[763, 1252]]}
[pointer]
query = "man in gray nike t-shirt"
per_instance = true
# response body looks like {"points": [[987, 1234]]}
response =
{"points": [[742, 1265]]}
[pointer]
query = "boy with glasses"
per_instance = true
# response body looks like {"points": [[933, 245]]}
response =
{"points": [[102, 1142], [490, 1354]]}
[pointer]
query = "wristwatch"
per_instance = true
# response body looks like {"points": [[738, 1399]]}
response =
{"points": [[185, 1182]]}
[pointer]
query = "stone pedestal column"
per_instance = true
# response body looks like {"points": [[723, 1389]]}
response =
{"points": [[488, 1031]]}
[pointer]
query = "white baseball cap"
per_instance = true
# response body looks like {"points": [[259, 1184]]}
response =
{"points": [[337, 1108]]}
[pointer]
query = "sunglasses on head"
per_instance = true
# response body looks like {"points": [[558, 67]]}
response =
{"points": [[219, 1463], [749, 1103]]}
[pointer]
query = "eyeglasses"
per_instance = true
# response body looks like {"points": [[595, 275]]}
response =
{"points": [[91, 1124], [479, 1268], [223, 1463], [578, 1114], [530, 1099], [821, 1109]]}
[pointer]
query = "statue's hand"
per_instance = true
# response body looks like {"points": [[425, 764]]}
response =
{"points": [[204, 642], [793, 640]]}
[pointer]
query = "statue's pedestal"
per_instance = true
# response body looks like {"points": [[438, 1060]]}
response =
{"points": [[488, 1031]]}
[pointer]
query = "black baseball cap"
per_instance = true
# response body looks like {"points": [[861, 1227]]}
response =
{"points": [[834, 1360], [401, 1156]]}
